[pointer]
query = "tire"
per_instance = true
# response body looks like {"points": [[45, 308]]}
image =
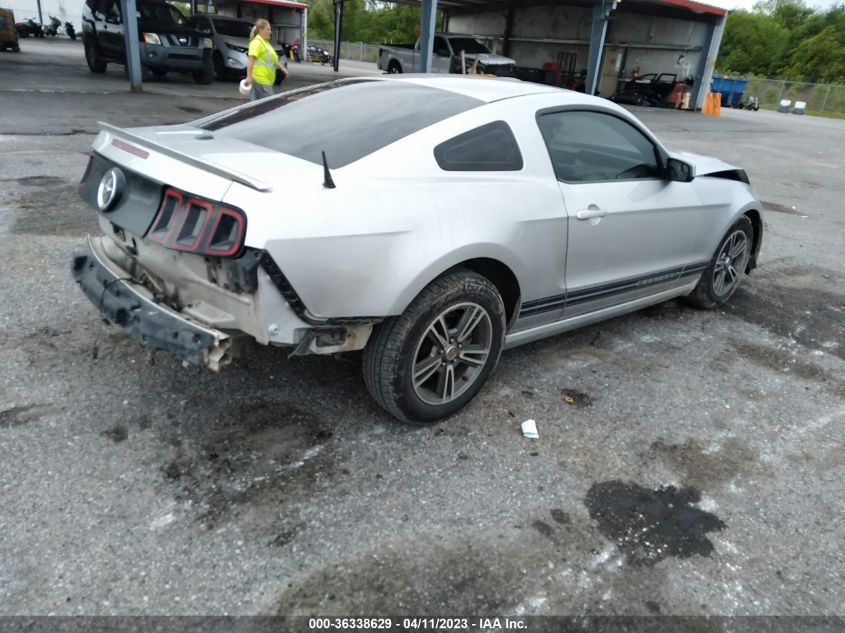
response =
{"points": [[406, 345], [204, 76], [220, 71], [393, 68], [723, 276], [96, 64]]}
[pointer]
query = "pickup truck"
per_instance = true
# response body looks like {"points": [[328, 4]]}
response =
{"points": [[405, 58]]}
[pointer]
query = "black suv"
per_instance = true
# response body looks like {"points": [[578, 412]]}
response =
{"points": [[167, 43]]}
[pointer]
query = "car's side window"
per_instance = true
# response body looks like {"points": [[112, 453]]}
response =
{"points": [[441, 48], [587, 146], [112, 12], [99, 9], [491, 147]]}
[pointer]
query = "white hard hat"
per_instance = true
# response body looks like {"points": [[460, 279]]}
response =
{"points": [[244, 89]]}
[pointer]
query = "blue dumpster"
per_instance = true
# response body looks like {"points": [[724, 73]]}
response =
{"points": [[731, 89]]}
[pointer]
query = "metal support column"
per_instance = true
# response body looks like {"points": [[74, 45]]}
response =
{"points": [[40, 17], [708, 63], [130, 44], [193, 6], [303, 32], [338, 17], [429, 14], [506, 46], [601, 14]]}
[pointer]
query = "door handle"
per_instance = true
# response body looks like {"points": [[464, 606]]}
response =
{"points": [[590, 213]]}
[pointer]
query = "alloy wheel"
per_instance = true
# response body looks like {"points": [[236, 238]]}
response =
{"points": [[452, 353], [730, 263]]}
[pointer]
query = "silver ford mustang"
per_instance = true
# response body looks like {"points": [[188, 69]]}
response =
{"points": [[429, 221]]}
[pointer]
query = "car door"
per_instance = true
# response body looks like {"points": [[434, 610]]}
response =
{"points": [[631, 230], [441, 55], [111, 33]]}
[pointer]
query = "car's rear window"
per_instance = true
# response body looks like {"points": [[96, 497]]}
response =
{"points": [[347, 120]]}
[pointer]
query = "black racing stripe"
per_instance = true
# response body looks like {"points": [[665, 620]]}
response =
{"points": [[555, 302], [541, 309], [694, 269], [608, 290], [537, 303]]}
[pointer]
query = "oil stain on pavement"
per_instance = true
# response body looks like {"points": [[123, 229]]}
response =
{"points": [[18, 416], [256, 455], [651, 525], [51, 206]]}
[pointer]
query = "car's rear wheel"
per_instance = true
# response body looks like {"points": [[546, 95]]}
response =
{"points": [[727, 268], [394, 68], [96, 64], [428, 363]]}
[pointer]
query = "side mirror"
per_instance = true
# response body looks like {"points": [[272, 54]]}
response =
{"points": [[679, 171]]}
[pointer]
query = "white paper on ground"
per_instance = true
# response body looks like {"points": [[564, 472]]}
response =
{"points": [[529, 429]]}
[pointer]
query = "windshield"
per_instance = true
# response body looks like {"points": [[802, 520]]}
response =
{"points": [[161, 13], [348, 120], [233, 28], [467, 45]]}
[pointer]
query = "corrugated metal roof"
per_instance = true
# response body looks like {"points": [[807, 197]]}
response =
{"points": [[480, 6], [276, 3]]}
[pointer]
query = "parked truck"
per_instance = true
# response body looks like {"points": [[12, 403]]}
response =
{"points": [[446, 58]]}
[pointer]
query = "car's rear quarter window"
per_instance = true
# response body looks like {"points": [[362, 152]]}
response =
{"points": [[347, 120], [491, 147]]}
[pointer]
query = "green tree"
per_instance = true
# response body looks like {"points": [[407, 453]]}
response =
{"points": [[753, 44], [785, 39], [365, 21], [820, 59]]}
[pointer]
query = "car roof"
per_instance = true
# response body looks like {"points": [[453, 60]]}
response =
{"points": [[489, 89]]}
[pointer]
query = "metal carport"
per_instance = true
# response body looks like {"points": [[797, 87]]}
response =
{"points": [[692, 30]]}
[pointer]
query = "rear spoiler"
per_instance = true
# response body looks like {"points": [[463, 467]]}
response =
{"points": [[249, 181]]}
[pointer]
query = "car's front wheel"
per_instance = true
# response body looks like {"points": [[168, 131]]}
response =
{"points": [[96, 64], [727, 268], [428, 363], [220, 71]]}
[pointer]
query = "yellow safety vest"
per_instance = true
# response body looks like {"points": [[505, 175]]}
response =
{"points": [[264, 66]]}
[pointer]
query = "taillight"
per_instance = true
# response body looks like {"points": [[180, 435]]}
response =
{"points": [[187, 223]]}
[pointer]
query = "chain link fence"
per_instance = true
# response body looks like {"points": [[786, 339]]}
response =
{"points": [[357, 51], [821, 99]]}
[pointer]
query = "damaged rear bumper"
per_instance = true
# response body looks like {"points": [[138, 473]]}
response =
{"points": [[132, 307]]}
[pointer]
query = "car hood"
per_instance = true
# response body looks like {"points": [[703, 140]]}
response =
{"points": [[489, 59], [243, 42], [703, 164]]}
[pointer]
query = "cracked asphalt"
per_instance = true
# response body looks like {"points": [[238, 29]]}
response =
{"points": [[689, 462]]}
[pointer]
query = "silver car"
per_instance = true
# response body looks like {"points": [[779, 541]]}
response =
{"points": [[430, 221], [230, 37]]}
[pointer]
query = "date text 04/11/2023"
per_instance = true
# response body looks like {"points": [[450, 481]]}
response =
{"points": [[415, 624]]}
